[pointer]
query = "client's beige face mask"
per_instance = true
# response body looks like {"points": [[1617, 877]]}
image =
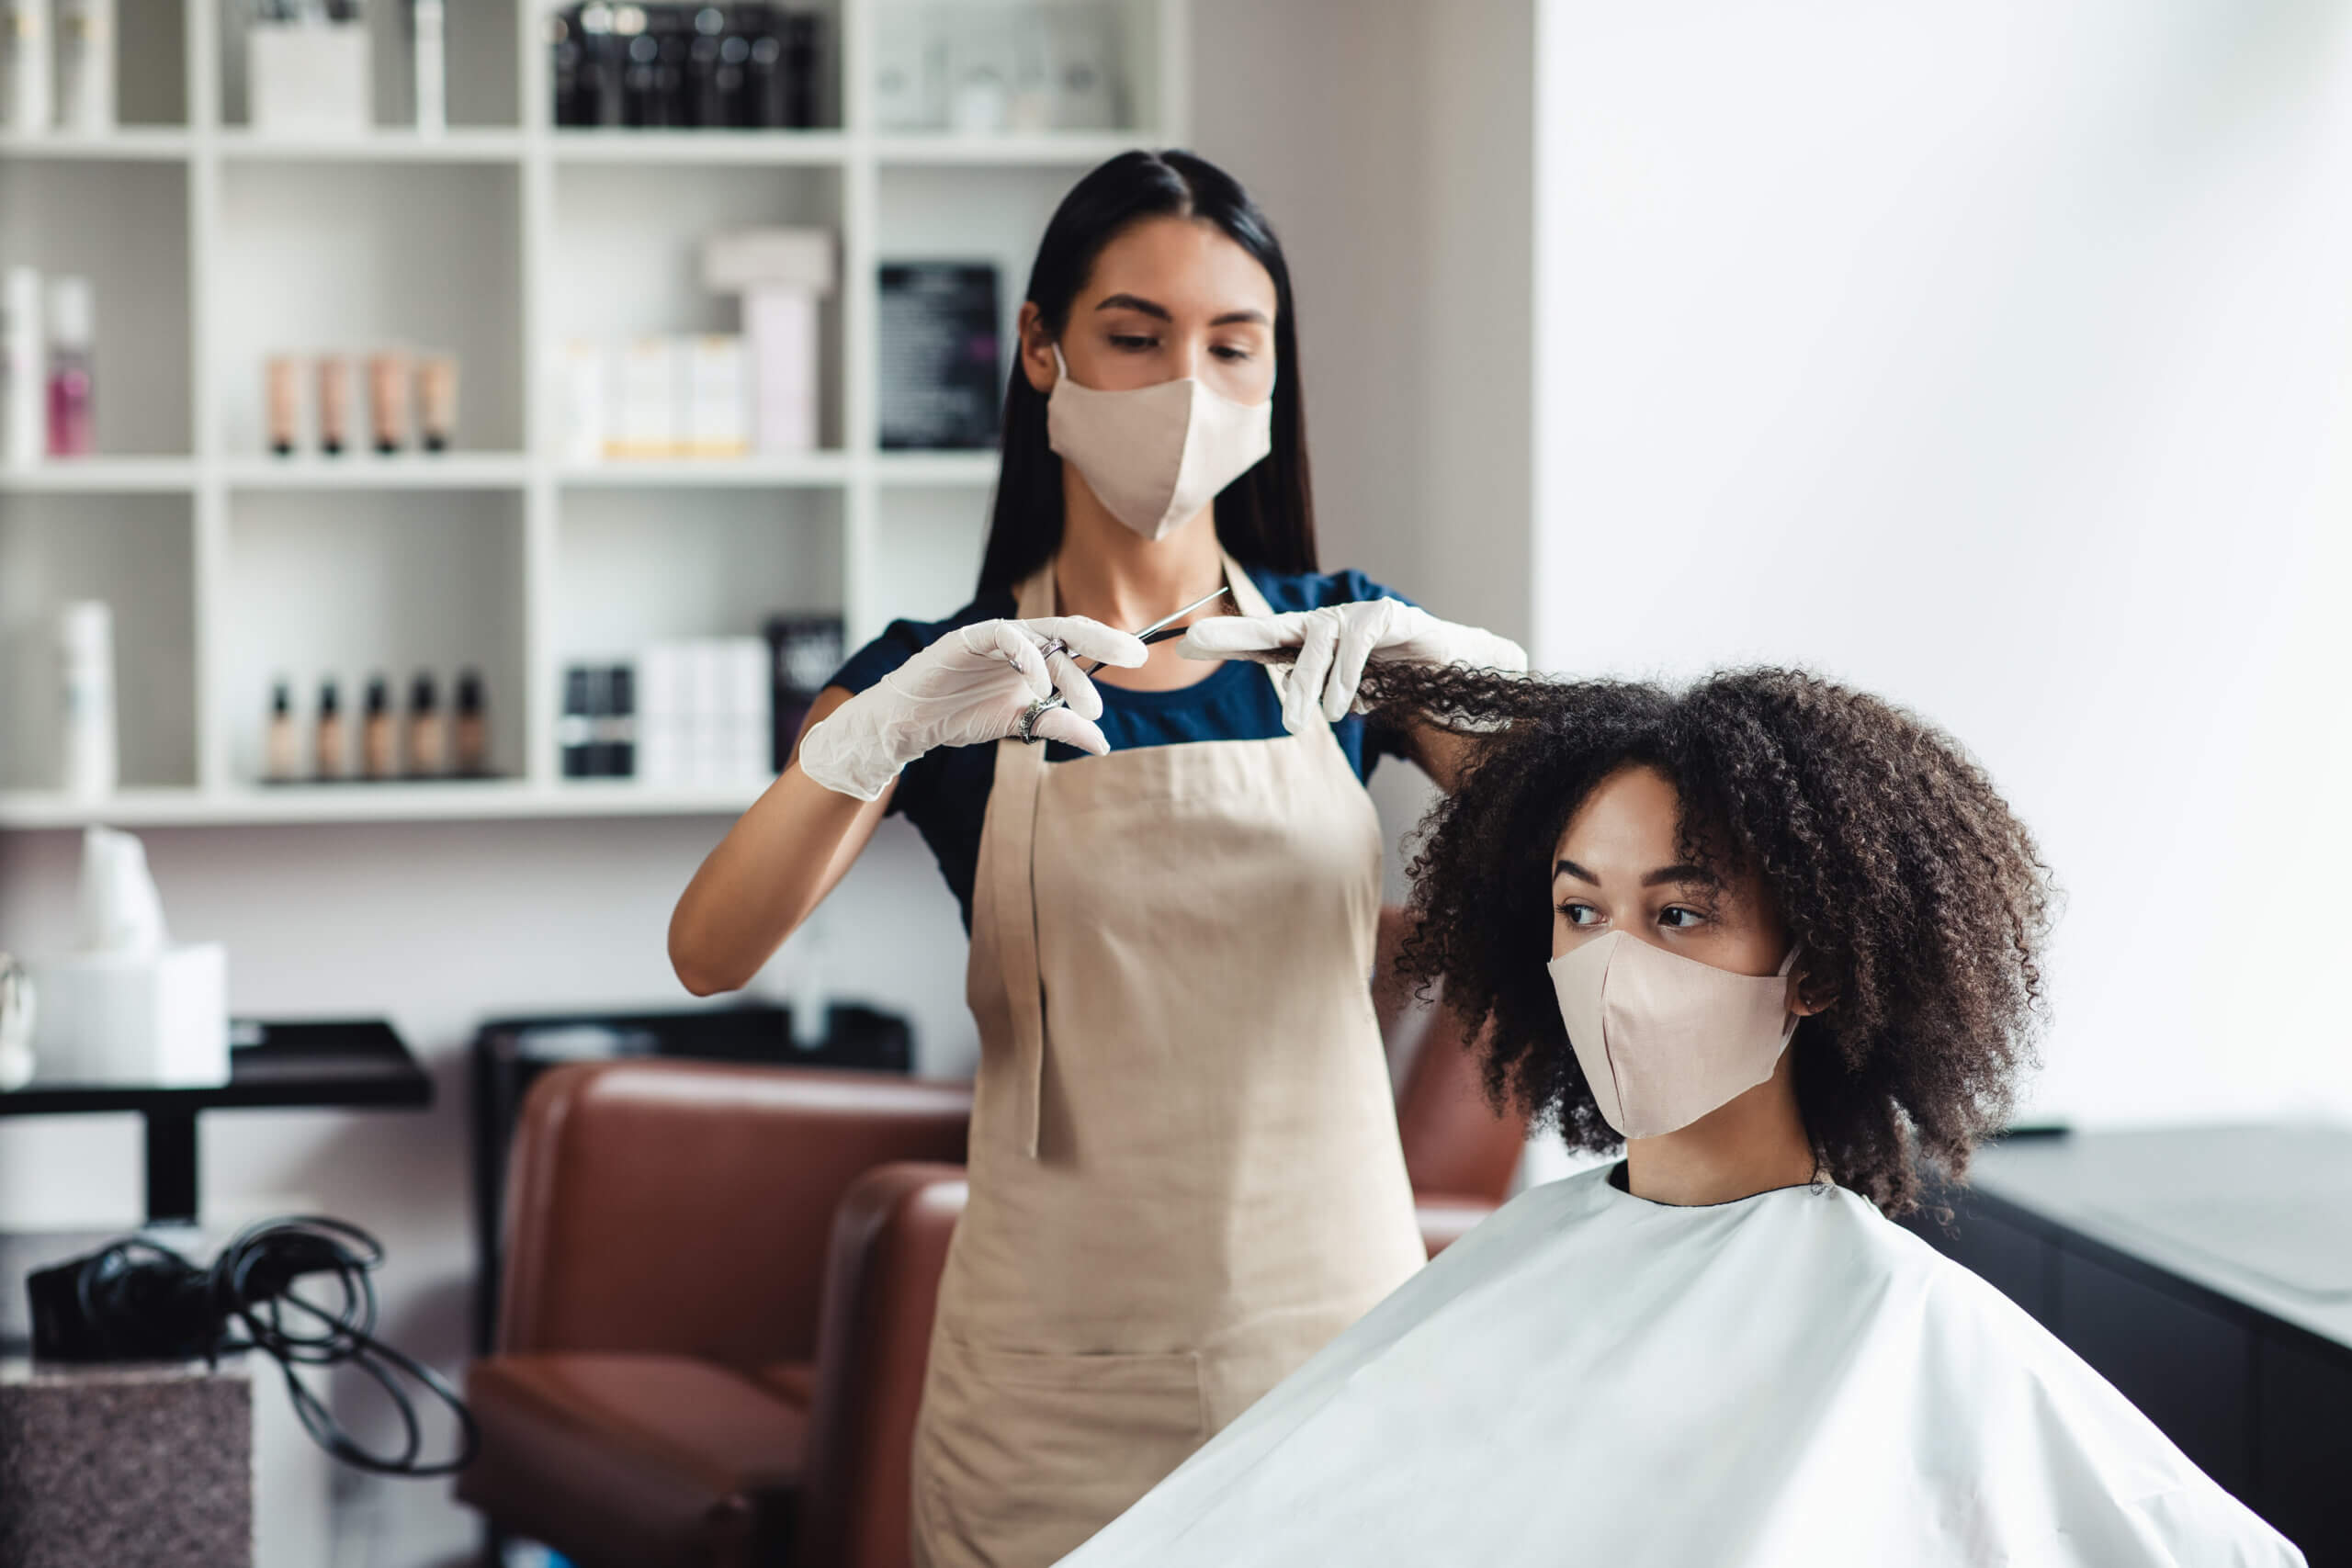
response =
{"points": [[1155, 455], [1665, 1039]]}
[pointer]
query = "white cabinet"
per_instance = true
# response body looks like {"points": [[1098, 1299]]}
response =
{"points": [[213, 246]]}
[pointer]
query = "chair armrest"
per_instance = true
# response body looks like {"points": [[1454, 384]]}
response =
{"points": [[683, 1207]]}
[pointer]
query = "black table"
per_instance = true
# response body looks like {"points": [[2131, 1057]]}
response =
{"points": [[356, 1062]]}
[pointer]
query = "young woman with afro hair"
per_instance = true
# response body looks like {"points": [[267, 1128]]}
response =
{"points": [[1780, 941]]}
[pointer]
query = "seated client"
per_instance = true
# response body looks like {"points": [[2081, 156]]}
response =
{"points": [[1780, 941]]}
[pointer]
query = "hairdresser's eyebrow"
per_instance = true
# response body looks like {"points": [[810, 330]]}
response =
{"points": [[1144, 306], [1138, 303], [1695, 876]]}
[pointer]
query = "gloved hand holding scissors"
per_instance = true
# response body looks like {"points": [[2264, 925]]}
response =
{"points": [[973, 684], [1332, 645]]}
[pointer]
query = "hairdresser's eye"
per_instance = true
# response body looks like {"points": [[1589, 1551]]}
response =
{"points": [[1580, 914], [1133, 342], [1679, 917]]}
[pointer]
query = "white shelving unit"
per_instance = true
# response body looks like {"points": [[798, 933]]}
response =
{"points": [[213, 245]]}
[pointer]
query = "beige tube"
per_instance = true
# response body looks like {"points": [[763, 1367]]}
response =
{"points": [[285, 402], [436, 381], [335, 404], [387, 391]]}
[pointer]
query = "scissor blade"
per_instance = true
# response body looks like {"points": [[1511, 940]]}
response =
{"points": [[1170, 619]]}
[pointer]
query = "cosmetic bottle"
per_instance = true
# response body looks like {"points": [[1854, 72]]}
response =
{"points": [[72, 424], [21, 369], [428, 738], [281, 753], [436, 381], [86, 65], [387, 398], [330, 757], [428, 18], [283, 397], [473, 727], [29, 49], [379, 749], [335, 404], [85, 662]]}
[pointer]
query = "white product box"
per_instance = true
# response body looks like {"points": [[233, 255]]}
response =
{"points": [[718, 397], [665, 700], [737, 260], [161, 1020], [644, 410], [781, 324], [311, 78], [709, 746], [749, 698]]}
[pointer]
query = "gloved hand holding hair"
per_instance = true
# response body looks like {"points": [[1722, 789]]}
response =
{"points": [[971, 685], [1329, 647]]}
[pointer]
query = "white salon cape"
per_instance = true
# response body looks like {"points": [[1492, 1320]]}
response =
{"points": [[1590, 1378]]}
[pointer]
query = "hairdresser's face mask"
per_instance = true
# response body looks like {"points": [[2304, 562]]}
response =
{"points": [[1155, 455], [1665, 1039]]}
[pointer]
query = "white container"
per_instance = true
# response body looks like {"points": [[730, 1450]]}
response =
{"points": [[87, 767], [86, 65], [647, 388], [781, 326], [25, 35], [159, 1019], [749, 698], [25, 417], [310, 78]]}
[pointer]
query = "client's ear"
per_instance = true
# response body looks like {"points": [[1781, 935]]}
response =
{"points": [[1808, 996], [1036, 348]]}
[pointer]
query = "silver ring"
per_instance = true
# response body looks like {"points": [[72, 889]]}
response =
{"points": [[1024, 728]]}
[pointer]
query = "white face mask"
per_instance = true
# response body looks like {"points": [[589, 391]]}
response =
{"points": [[1155, 455], [1664, 1039]]}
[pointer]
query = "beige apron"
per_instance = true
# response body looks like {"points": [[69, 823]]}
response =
{"points": [[1186, 1177]]}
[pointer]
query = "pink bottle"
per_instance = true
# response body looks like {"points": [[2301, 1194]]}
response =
{"points": [[71, 322]]}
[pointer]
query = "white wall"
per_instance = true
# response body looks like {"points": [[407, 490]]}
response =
{"points": [[1997, 357]]}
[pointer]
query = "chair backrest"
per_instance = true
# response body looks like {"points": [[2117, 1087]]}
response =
{"points": [[686, 1207], [889, 1245]]}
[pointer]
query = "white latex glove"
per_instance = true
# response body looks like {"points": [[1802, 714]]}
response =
{"points": [[1335, 643], [971, 685]]}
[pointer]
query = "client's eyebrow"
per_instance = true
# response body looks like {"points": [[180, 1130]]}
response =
{"points": [[1695, 876]]}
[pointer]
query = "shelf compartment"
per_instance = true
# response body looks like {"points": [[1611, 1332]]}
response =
{"points": [[932, 537], [628, 255], [638, 566], [479, 42], [314, 257], [124, 226], [350, 584], [136, 552]]}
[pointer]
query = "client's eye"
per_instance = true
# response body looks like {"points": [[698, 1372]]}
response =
{"points": [[1677, 917], [1133, 342], [1579, 914]]}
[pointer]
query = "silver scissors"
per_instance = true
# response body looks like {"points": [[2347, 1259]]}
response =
{"points": [[1158, 631]]}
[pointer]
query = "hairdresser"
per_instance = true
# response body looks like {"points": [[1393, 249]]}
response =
{"points": [[1185, 1176]]}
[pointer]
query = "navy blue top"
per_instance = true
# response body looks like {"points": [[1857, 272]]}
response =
{"points": [[945, 792]]}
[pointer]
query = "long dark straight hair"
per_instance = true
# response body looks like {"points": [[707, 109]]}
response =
{"points": [[1266, 517]]}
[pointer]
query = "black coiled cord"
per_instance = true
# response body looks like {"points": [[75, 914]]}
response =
{"points": [[252, 1285]]}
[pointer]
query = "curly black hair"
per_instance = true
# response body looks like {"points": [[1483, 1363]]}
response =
{"points": [[1917, 895]]}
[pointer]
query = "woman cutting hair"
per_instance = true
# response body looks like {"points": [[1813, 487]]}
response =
{"points": [[1185, 1176], [1780, 941]]}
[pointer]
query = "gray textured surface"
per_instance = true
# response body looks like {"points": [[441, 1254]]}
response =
{"points": [[2262, 1214], [125, 1466]]}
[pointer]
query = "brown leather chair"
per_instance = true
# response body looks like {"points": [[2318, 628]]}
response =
{"points": [[668, 1225]]}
